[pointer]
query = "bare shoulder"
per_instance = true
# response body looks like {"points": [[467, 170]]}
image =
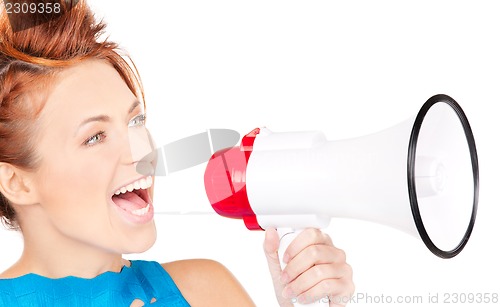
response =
{"points": [[206, 282]]}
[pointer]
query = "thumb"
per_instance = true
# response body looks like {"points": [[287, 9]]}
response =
{"points": [[271, 245]]}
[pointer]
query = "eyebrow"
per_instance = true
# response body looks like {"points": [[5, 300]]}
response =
{"points": [[134, 105], [106, 118]]}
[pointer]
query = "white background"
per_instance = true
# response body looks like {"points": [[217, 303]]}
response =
{"points": [[347, 68]]}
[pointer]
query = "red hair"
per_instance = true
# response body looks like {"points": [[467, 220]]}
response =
{"points": [[29, 61]]}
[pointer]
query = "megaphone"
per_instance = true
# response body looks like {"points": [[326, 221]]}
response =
{"points": [[420, 176]]}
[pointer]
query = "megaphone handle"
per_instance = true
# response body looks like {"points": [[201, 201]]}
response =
{"points": [[287, 235]]}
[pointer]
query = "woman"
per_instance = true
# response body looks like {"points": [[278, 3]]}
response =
{"points": [[71, 117]]}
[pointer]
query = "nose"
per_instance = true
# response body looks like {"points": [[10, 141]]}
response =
{"points": [[142, 149]]}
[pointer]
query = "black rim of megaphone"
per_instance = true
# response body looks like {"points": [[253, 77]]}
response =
{"points": [[411, 174]]}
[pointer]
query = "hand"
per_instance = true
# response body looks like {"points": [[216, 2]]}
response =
{"points": [[314, 269]]}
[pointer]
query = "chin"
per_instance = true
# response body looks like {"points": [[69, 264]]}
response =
{"points": [[142, 242]]}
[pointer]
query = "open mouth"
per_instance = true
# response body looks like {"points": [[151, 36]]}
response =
{"points": [[134, 197]]}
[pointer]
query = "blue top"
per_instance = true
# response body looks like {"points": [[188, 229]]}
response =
{"points": [[143, 280]]}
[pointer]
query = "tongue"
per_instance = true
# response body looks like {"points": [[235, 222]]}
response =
{"points": [[129, 201]]}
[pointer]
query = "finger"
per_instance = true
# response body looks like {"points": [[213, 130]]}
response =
{"points": [[315, 275], [343, 297], [336, 291], [310, 257], [309, 236]]}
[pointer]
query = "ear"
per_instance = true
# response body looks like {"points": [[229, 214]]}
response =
{"points": [[16, 185]]}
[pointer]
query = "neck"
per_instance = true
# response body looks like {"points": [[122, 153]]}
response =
{"points": [[56, 256]]}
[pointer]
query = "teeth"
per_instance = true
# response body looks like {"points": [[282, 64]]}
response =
{"points": [[141, 212], [143, 183]]}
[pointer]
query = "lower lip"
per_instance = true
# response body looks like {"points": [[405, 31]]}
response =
{"points": [[135, 219]]}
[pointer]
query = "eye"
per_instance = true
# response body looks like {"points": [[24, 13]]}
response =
{"points": [[95, 139], [139, 120]]}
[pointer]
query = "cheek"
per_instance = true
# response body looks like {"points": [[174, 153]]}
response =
{"points": [[93, 172], [83, 177]]}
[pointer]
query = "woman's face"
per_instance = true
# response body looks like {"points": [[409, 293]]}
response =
{"points": [[92, 136]]}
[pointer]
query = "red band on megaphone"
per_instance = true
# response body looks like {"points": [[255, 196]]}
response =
{"points": [[225, 181]]}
